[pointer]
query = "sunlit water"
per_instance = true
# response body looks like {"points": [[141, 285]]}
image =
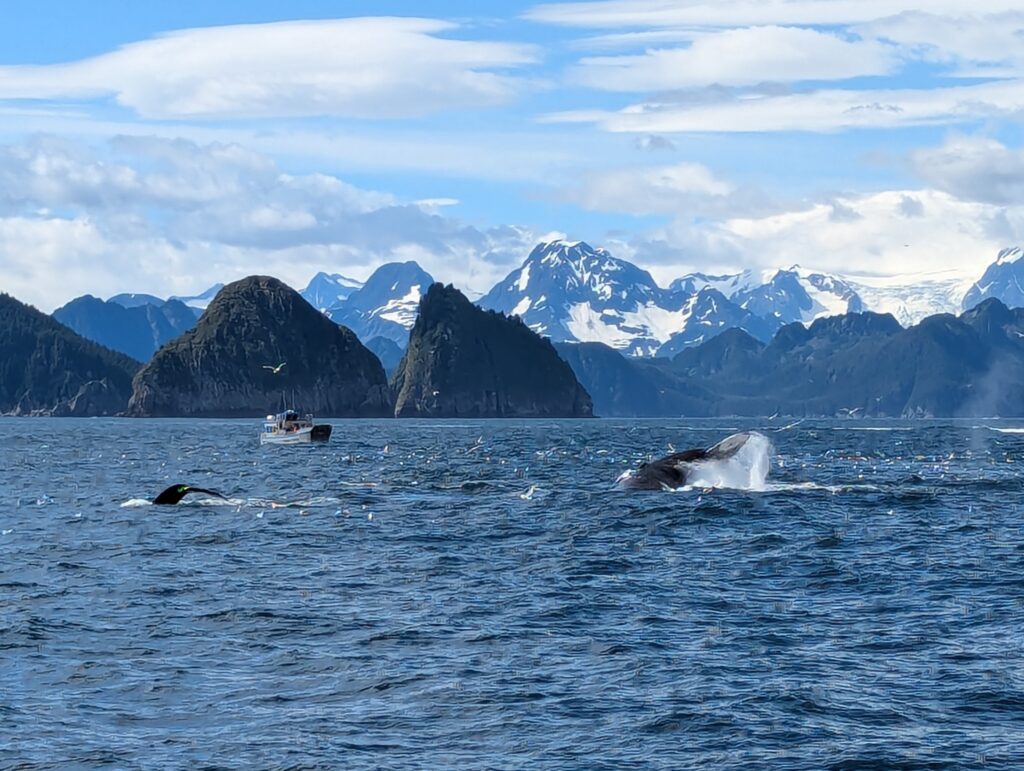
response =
{"points": [[477, 594]]}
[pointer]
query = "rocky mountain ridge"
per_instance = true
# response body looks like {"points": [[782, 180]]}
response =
{"points": [[465, 362], [224, 367]]}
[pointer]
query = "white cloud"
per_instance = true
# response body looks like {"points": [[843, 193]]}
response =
{"points": [[874, 237], [740, 57], [358, 67], [159, 216], [821, 110], [978, 44], [716, 80], [433, 205], [614, 14], [974, 169], [680, 188]]}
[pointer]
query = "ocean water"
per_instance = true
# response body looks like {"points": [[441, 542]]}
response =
{"points": [[476, 594]]}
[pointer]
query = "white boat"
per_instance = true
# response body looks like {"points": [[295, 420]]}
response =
{"points": [[289, 427]]}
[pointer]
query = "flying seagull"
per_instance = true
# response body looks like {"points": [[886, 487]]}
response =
{"points": [[276, 369]]}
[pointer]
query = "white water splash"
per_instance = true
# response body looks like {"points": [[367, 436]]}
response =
{"points": [[134, 503], [747, 469]]}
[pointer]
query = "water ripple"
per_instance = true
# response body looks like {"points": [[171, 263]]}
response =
{"points": [[474, 594]]}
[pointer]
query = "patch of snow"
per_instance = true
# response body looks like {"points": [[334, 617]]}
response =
{"points": [[911, 298], [1011, 254], [824, 303], [621, 329], [402, 310], [524, 277]]}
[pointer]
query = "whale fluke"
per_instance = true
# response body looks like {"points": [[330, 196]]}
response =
{"points": [[175, 493]]}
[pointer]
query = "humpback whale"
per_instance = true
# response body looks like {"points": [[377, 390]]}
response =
{"points": [[675, 470], [175, 493]]}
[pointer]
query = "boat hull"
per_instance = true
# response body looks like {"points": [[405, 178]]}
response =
{"points": [[302, 436], [320, 433]]}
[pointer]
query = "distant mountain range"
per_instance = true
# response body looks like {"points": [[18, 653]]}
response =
{"points": [[571, 292], [137, 329], [854, 365], [462, 360]]}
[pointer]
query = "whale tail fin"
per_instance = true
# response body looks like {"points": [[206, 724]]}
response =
{"points": [[175, 493]]}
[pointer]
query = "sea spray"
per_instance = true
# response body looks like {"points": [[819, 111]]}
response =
{"points": [[747, 469]]}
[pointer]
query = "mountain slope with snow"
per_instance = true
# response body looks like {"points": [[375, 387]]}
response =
{"points": [[708, 313], [789, 295], [386, 305], [1003, 280], [571, 292], [325, 290]]}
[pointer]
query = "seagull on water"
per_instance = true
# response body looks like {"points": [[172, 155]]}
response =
{"points": [[276, 369]]}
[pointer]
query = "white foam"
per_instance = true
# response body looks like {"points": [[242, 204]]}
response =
{"points": [[1006, 430], [814, 486], [135, 503], [747, 469]]}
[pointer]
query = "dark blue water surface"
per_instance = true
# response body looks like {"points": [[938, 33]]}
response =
{"points": [[473, 594]]}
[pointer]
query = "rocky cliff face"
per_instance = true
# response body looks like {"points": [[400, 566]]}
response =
{"points": [[46, 369], [222, 367], [463, 361]]}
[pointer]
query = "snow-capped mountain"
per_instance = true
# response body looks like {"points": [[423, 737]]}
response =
{"points": [[386, 305], [708, 313], [326, 290], [1004, 280], [199, 301], [569, 291], [789, 295]]}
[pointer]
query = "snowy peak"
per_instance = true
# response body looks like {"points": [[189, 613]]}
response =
{"points": [[799, 295], [1003, 280], [387, 304], [1008, 255], [572, 292], [392, 283], [793, 294], [576, 270], [569, 290], [707, 313], [325, 290]]}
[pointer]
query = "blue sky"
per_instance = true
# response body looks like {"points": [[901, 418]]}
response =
{"points": [[160, 148]]}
